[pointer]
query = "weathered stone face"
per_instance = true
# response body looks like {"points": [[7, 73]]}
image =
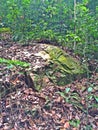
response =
{"points": [[65, 62], [60, 68]]}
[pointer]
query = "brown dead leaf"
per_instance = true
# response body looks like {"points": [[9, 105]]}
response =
{"points": [[45, 80], [66, 125], [62, 120], [26, 91], [59, 99]]}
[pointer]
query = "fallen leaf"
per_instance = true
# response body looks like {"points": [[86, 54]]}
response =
{"points": [[66, 125]]}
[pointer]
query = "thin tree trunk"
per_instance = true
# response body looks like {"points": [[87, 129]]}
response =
{"points": [[74, 47]]}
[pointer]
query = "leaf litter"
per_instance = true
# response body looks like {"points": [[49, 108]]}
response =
{"points": [[23, 108]]}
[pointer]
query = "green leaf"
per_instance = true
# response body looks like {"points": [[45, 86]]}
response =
{"points": [[90, 89], [10, 66], [75, 123], [96, 98], [62, 94], [67, 90]]}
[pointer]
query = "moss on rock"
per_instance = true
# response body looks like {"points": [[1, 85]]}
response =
{"points": [[61, 67]]}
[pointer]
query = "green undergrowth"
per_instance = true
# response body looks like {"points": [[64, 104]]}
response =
{"points": [[4, 30], [14, 62]]}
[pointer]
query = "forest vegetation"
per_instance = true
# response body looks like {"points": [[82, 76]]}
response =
{"points": [[48, 64]]}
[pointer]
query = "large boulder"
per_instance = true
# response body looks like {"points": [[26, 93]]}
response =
{"points": [[59, 67]]}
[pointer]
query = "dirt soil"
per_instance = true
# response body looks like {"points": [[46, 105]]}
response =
{"points": [[70, 107]]}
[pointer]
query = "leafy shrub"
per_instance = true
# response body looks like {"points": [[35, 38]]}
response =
{"points": [[14, 62]]}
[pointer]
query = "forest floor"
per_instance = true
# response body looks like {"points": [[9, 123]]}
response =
{"points": [[69, 107]]}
